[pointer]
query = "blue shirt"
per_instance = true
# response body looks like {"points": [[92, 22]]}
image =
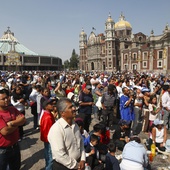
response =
{"points": [[126, 112], [111, 162], [85, 98]]}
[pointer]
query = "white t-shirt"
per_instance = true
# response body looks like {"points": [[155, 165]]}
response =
{"points": [[152, 117]]}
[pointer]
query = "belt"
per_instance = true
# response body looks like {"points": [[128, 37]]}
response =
{"points": [[9, 147]]}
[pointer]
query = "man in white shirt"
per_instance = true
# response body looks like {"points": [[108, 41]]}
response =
{"points": [[166, 107], [119, 94], [65, 139], [93, 82]]}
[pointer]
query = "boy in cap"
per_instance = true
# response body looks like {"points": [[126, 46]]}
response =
{"points": [[47, 120]]}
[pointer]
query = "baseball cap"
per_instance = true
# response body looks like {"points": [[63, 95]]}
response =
{"points": [[70, 95], [158, 122], [46, 102], [145, 90]]}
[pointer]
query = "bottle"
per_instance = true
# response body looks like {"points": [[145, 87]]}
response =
{"points": [[87, 167], [153, 149], [150, 157]]}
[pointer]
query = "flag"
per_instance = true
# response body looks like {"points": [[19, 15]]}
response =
{"points": [[93, 28]]}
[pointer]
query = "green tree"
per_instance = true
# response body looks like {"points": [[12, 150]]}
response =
{"points": [[66, 64], [74, 60]]}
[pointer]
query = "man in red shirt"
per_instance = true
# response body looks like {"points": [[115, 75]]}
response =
{"points": [[46, 122], [10, 120]]}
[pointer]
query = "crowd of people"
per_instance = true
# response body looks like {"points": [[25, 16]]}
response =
{"points": [[63, 104]]}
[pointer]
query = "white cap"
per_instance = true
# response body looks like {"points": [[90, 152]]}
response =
{"points": [[70, 95], [158, 122]]}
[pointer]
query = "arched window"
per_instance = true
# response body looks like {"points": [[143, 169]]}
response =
{"points": [[92, 66]]}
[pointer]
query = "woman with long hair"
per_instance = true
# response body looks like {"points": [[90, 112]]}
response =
{"points": [[18, 101]]}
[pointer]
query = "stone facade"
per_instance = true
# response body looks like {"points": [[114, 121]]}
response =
{"points": [[120, 50]]}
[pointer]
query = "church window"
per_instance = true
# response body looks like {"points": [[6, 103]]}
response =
{"points": [[145, 56], [144, 64], [160, 54], [126, 46], [125, 57], [159, 63], [134, 56], [125, 66], [140, 39]]}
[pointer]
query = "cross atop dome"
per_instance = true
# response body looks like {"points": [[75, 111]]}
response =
{"points": [[122, 17]]}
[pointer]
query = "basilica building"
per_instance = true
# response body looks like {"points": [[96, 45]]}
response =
{"points": [[118, 49], [14, 56]]}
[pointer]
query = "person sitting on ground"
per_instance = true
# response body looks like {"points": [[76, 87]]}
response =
{"points": [[103, 135], [111, 161], [121, 134], [97, 130], [92, 153], [134, 155], [158, 135]]}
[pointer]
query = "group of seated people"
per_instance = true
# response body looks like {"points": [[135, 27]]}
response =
{"points": [[101, 145]]}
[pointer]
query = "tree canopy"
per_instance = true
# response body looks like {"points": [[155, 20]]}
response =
{"points": [[73, 63]]}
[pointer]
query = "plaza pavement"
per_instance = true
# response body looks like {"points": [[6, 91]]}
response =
{"points": [[32, 153]]}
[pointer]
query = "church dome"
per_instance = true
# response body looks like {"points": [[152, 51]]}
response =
{"points": [[82, 32], [109, 19], [122, 23]]}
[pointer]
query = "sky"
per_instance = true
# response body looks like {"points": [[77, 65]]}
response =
{"points": [[52, 27]]}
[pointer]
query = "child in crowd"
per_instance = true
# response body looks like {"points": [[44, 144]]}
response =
{"points": [[111, 162], [153, 109], [46, 122], [83, 132], [92, 153]]}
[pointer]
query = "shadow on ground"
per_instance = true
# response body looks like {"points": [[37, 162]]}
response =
{"points": [[28, 163]]}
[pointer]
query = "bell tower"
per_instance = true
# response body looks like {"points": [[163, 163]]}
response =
{"points": [[109, 28], [110, 45], [82, 48]]}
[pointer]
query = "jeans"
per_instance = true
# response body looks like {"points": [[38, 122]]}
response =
{"points": [[138, 113], [86, 119], [10, 157], [48, 156]]}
